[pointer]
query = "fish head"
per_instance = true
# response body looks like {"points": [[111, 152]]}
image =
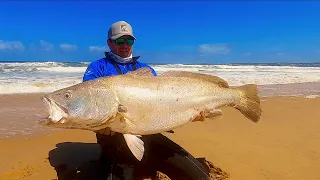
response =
{"points": [[83, 106]]}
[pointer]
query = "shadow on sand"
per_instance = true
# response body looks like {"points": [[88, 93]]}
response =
{"points": [[79, 161], [75, 160]]}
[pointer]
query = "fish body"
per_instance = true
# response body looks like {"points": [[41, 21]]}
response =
{"points": [[138, 104], [154, 105]]}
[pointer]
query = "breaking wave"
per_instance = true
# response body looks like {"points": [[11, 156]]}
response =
{"points": [[30, 77]]}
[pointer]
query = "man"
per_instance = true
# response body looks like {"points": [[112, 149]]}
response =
{"points": [[161, 154]]}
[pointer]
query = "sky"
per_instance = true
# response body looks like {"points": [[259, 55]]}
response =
{"points": [[166, 31]]}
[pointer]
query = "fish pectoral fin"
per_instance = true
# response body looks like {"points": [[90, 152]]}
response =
{"points": [[170, 131], [135, 144]]}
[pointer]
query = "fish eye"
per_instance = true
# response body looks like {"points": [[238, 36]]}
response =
{"points": [[67, 95]]}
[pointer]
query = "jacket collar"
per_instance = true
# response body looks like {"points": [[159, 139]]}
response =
{"points": [[107, 56]]}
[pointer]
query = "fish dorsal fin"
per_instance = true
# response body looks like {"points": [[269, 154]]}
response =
{"points": [[141, 72], [135, 144], [211, 78]]}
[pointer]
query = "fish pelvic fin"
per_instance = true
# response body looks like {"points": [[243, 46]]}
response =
{"points": [[249, 104], [135, 144]]}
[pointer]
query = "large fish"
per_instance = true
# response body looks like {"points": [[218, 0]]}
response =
{"points": [[138, 103]]}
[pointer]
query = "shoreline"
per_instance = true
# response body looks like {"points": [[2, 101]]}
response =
{"points": [[314, 85], [282, 145]]}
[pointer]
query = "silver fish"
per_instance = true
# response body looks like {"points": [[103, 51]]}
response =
{"points": [[138, 103]]}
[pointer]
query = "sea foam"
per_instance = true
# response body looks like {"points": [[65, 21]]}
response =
{"points": [[31, 77]]}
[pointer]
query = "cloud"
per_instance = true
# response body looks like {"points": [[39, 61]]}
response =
{"points": [[46, 46], [68, 47], [97, 48], [11, 45], [213, 49]]}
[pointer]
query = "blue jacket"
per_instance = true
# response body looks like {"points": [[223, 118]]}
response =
{"points": [[106, 67]]}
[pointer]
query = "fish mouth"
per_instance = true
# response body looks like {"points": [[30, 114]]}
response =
{"points": [[57, 113]]}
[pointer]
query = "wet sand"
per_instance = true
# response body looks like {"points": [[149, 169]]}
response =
{"points": [[283, 145]]}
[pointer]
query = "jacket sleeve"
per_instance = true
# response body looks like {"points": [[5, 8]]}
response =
{"points": [[90, 73], [93, 71]]}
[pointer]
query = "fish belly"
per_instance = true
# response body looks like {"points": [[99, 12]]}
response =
{"points": [[158, 122]]}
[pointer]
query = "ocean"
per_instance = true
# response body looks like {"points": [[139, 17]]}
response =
{"points": [[19, 113], [35, 77]]}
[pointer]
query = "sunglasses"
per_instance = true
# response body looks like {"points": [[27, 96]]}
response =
{"points": [[121, 41]]}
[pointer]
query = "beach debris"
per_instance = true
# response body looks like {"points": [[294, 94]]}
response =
{"points": [[138, 103]]}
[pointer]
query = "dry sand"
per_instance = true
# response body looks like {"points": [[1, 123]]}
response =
{"points": [[283, 145]]}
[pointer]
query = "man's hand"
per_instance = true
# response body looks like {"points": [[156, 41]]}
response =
{"points": [[105, 131]]}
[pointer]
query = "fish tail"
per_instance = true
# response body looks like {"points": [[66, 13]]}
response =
{"points": [[249, 104]]}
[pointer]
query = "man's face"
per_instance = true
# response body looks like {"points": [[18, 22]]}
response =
{"points": [[121, 46]]}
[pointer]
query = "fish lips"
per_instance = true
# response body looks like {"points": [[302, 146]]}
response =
{"points": [[57, 112]]}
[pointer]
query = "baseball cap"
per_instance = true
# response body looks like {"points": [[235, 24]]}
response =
{"points": [[119, 29]]}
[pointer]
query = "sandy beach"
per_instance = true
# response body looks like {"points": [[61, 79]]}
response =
{"points": [[282, 146], [53, 47]]}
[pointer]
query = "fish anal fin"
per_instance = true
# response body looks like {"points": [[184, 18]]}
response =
{"points": [[122, 108], [135, 144], [210, 78], [141, 72], [213, 113], [208, 113]]}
